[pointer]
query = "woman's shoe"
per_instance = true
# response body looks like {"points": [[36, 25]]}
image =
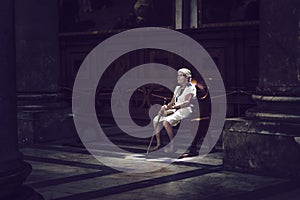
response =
{"points": [[188, 154], [170, 150]]}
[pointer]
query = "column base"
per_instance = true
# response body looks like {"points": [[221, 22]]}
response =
{"points": [[27, 193], [45, 126], [11, 184], [263, 147], [44, 118]]}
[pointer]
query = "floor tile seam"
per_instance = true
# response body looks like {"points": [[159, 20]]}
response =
{"points": [[102, 152], [139, 184], [56, 161], [69, 179], [183, 163], [67, 163], [192, 164], [78, 150]]}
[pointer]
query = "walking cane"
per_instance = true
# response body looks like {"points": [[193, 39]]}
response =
{"points": [[159, 116], [149, 146]]}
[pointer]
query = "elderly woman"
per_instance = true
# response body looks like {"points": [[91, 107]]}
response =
{"points": [[180, 104]]}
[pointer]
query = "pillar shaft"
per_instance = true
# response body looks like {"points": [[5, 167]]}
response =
{"points": [[13, 170], [268, 140], [42, 113], [279, 51], [8, 136], [278, 91]]}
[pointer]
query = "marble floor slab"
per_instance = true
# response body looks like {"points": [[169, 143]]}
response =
{"points": [[69, 173]]}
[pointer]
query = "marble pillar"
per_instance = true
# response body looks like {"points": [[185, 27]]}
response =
{"points": [[268, 141], [43, 114], [186, 14], [13, 170]]}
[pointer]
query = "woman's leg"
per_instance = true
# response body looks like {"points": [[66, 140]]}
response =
{"points": [[169, 130], [157, 128]]}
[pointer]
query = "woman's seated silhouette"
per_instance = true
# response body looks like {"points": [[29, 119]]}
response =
{"points": [[180, 104]]}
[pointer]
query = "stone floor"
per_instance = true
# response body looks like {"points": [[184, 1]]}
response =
{"points": [[71, 173]]}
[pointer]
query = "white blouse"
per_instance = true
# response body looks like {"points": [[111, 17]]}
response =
{"points": [[181, 113], [180, 95]]}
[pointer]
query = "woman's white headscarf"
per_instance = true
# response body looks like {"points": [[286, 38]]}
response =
{"points": [[186, 72]]}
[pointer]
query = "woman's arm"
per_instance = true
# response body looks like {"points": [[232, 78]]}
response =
{"points": [[166, 107], [171, 103], [187, 100]]}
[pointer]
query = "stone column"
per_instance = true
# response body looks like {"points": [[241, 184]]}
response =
{"points": [[178, 14], [268, 141], [186, 14], [43, 114], [13, 170], [189, 13]]}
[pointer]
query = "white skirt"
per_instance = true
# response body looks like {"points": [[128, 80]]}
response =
{"points": [[175, 118]]}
